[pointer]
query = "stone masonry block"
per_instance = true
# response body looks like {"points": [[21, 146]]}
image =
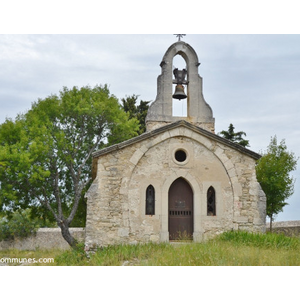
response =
{"points": [[136, 156]]}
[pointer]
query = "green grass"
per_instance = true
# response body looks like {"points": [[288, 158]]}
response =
{"points": [[23, 255], [273, 241], [229, 249]]}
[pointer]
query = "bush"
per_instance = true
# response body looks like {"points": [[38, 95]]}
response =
{"points": [[20, 225]]}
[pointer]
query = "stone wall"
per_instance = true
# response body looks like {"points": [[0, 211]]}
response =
{"points": [[288, 228], [284, 224], [45, 238]]}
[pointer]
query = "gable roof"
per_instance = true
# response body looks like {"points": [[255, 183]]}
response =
{"points": [[180, 123]]}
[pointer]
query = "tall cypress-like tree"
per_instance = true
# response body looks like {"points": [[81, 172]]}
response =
{"points": [[236, 137], [136, 111], [45, 154]]}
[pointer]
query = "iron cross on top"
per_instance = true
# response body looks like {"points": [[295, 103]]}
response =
{"points": [[179, 36]]}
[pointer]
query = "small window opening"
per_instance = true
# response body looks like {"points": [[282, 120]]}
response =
{"points": [[180, 155], [211, 202], [150, 200]]}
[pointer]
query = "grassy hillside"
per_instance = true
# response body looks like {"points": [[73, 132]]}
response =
{"points": [[228, 249]]}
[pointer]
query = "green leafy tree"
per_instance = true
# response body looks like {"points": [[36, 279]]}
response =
{"points": [[45, 154], [136, 111], [236, 137], [273, 173]]}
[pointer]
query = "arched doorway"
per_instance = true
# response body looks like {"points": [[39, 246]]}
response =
{"points": [[180, 210]]}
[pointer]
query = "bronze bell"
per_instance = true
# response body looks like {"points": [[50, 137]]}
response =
{"points": [[179, 92]]}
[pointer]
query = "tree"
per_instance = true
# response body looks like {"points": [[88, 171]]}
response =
{"points": [[273, 173], [136, 111], [235, 137], [45, 154]]}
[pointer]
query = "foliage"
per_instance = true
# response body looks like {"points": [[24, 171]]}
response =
{"points": [[235, 137], [19, 225], [273, 174], [136, 111], [45, 154]]}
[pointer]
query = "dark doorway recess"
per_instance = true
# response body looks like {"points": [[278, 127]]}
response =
{"points": [[180, 210]]}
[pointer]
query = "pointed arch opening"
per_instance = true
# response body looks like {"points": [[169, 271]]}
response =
{"points": [[179, 107], [211, 202], [150, 200]]}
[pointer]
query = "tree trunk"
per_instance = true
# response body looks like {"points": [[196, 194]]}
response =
{"points": [[271, 219], [67, 235]]}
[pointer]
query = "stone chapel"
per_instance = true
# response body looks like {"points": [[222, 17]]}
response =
{"points": [[178, 180]]}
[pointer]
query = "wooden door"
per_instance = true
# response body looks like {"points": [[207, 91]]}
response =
{"points": [[180, 210]]}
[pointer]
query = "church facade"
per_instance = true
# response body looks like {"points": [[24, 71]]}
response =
{"points": [[178, 180]]}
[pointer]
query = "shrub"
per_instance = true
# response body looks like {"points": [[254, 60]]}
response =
{"points": [[20, 225]]}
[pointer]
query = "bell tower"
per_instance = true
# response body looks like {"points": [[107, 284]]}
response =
{"points": [[180, 84]]}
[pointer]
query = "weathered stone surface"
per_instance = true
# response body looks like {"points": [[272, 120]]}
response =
{"points": [[45, 238], [119, 205], [199, 112]]}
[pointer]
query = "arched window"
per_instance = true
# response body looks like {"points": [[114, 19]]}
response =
{"points": [[150, 200], [211, 202]]}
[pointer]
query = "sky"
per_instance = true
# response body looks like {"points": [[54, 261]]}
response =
{"points": [[249, 80]]}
